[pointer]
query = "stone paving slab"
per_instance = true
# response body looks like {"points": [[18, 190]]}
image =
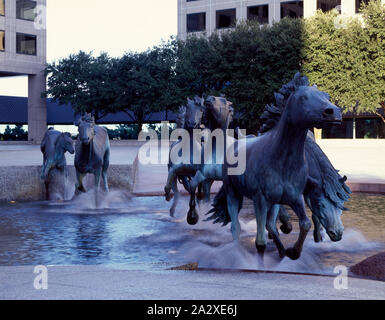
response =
{"points": [[98, 282]]}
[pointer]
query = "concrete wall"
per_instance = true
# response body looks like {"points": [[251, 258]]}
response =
{"points": [[12, 63], [22, 183]]}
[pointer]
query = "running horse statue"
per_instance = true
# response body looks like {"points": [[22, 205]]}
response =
{"points": [[213, 113], [92, 153], [276, 170], [189, 117], [54, 146]]}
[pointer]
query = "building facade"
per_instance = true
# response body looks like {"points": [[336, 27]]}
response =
{"points": [[23, 53], [211, 15]]}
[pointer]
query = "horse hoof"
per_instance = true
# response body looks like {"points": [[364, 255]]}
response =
{"points": [[192, 220], [286, 229], [168, 197], [282, 253], [292, 253], [172, 212]]}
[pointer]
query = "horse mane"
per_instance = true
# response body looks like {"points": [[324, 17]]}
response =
{"points": [[272, 113], [333, 185], [180, 117], [88, 118]]}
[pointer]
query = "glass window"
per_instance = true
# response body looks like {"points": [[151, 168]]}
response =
{"points": [[25, 9], [2, 7], [327, 5], [259, 13], [2, 40], [196, 22], [293, 9], [25, 44], [369, 128], [226, 18], [358, 4]]}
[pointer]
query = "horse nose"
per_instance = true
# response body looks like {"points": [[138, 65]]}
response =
{"points": [[328, 111], [334, 235]]}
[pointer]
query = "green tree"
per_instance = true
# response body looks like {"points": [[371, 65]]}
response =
{"points": [[346, 58], [85, 82], [146, 82]]}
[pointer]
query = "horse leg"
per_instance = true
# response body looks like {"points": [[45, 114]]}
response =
{"points": [[284, 217], [200, 194], [172, 175], [261, 209], [79, 184], [206, 190], [304, 226], [272, 228], [192, 215], [97, 176], [233, 206], [317, 229], [174, 187], [106, 163]]}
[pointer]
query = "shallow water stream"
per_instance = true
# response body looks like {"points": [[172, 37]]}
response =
{"points": [[137, 233]]}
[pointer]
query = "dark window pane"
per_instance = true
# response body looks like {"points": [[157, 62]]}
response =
{"points": [[25, 44], [259, 13], [226, 18], [358, 4], [327, 5], [293, 9], [196, 22], [344, 131], [2, 40], [2, 7], [25, 9], [367, 128]]}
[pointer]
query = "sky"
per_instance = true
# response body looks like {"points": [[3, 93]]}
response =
{"points": [[113, 26]]}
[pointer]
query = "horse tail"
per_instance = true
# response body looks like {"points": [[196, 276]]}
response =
{"points": [[219, 212]]}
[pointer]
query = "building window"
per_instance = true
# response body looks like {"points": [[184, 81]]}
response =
{"points": [[293, 9], [2, 7], [359, 3], [2, 40], [327, 5], [25, 9], [259, 13], [226, 18], [370, 128], [196, 22], [25, 44]]}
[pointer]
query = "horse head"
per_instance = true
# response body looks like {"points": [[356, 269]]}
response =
{"points": [[193, 113], [309, 107], [220, 110], [86, 128], [65, 142], [325, 210]]}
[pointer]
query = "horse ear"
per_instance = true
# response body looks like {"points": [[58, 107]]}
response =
{"points": [[68, 134], [77, 121]]}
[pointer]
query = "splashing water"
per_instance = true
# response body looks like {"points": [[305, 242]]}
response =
{"points": [[138, 233]]}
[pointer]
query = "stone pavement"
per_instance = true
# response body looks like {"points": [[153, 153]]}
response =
{"points": [[96, 282]]}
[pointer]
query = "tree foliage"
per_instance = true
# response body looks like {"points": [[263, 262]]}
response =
{"points": [[346, 57], [343, 56]]}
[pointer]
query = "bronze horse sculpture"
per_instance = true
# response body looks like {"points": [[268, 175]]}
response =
{"points": [[92, 153], [54, 146], [326, 191], [210, 113], [276, 170]]}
